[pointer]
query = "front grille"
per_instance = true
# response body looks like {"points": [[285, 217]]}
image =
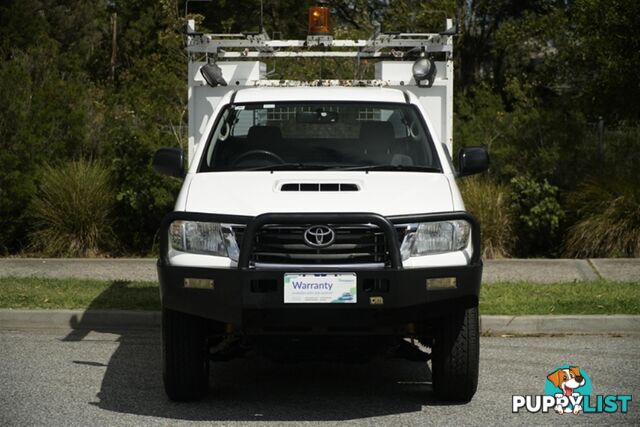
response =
{"points": [[284, 244], [354, 244]]}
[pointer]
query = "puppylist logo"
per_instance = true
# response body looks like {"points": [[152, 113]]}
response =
{"points": [[568, 390]]}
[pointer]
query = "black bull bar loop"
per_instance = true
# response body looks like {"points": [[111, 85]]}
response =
{"points": [[253, 225]]}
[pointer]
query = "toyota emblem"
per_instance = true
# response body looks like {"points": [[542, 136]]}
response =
{"points": [[319, 236]]}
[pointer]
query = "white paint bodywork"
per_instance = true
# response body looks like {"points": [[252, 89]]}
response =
{"points": [[437, 101], [393, 83], [255, 193], [251, 193]]}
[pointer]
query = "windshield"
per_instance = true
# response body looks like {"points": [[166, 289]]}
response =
{"points": [[318, 136]]}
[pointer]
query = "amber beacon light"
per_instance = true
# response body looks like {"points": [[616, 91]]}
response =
{"points": [[318, 20]]}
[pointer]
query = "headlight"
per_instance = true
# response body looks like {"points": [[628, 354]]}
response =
{"points": [[428, 238], [209, 238]]}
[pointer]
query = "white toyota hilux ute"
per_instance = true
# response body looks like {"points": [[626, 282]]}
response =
{"points": [[320, 219]]}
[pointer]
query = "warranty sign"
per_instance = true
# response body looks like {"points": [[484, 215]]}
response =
{"points": [[320, 288]]}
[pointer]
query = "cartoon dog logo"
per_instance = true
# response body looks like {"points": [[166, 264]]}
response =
{"points": [[567, 379]]}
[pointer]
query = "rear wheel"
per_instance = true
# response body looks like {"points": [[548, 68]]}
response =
{"points": [[456, 353], [185, 362]]}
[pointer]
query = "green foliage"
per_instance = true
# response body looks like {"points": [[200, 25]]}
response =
{"points": [[44, 115], [480, 119], [523, 136], [538, 214], [603, 58], [50, 294], [608, 222], [488, 202], [407, 16], [72, 210], [142, 196], [527, 47], [57, 103], [621, 152], [603, 297], [604, 210], [16, 182], [532, 77]]}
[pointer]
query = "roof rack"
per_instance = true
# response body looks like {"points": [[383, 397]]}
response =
{"points": [[219, 64], [259, 45]]}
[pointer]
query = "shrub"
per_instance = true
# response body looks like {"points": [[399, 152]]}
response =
{"points": [[488, 202], [143, 197], [537, 215], [608, 222], [71, 211]]}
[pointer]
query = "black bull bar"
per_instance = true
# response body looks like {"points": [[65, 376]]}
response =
{"points": [[253, 224]]}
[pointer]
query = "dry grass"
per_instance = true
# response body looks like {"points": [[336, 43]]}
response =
{"points": [[608, 220], [71, 212], [488, 202]]}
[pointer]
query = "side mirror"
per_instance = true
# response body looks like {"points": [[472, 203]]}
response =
{"points": [[472, 160], [168, 161]]}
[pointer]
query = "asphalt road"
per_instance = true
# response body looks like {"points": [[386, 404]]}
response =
{"points": [[56, 377]]}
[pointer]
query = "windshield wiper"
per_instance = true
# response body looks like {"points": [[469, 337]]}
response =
{"points": [[289, 166], [402, 168]]}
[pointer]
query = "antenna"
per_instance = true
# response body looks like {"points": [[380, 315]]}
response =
{"points": [[261, 16]]}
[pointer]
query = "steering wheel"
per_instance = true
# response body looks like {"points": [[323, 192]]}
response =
{"points": [[258, 153]]}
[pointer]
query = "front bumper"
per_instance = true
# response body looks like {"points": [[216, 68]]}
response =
{"points": [[252, 299]]}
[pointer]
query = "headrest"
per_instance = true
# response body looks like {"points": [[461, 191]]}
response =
{"points": [[264, 134], [377, 131]]}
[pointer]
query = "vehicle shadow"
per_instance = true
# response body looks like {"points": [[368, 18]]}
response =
{"points": [[253, 388]]}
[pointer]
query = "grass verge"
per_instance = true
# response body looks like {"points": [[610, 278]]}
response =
{"points": [[78, 293], [599, 297]]}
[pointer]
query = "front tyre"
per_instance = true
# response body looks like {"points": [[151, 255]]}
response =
{"points": [[456, 353], [185, 362]]}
